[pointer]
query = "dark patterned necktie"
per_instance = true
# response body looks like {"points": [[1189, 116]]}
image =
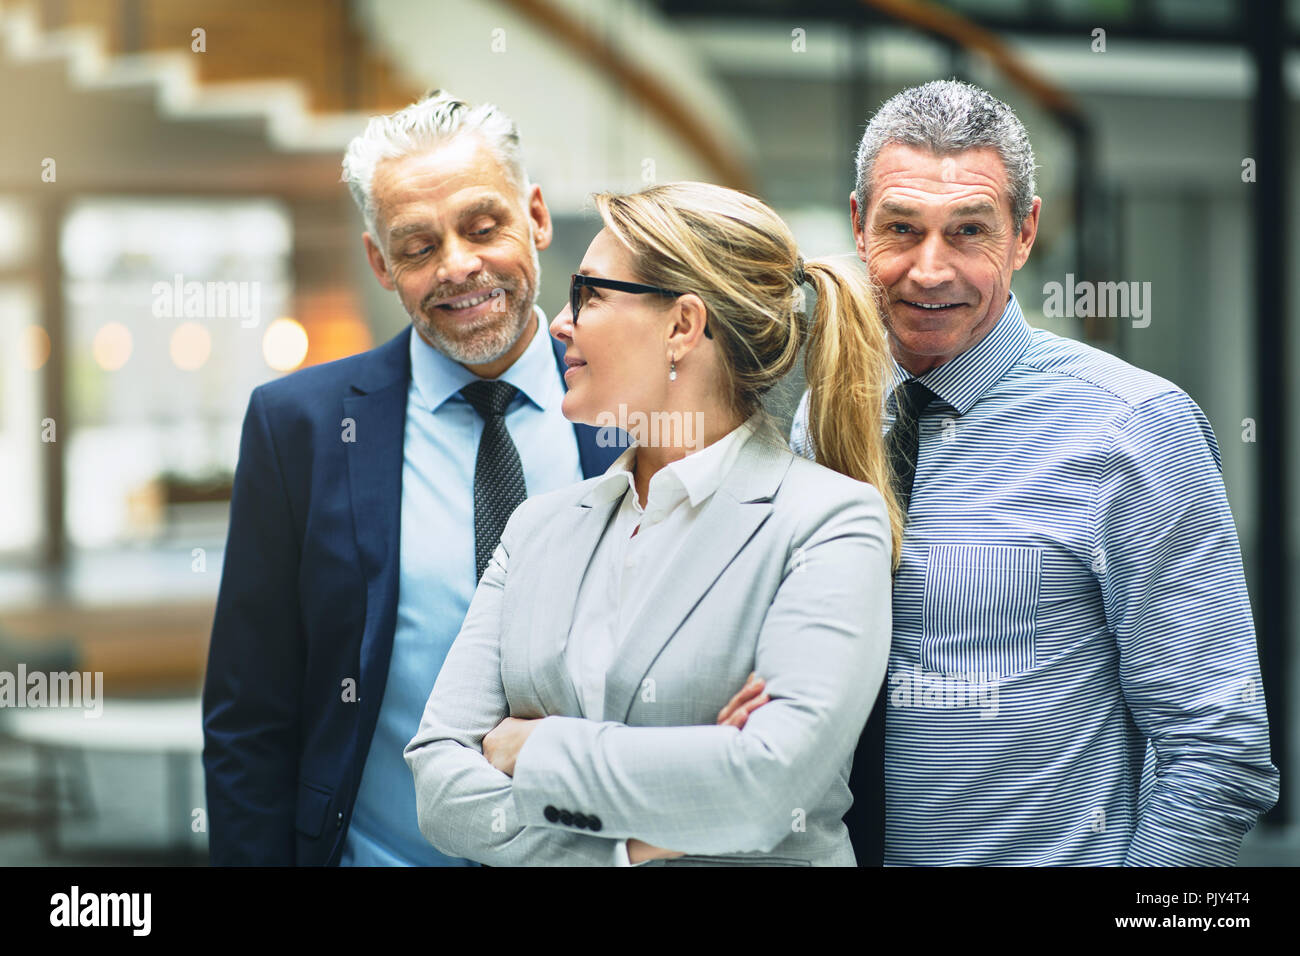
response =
{"points": [[498, 475], [866, 818], [903, 439]]}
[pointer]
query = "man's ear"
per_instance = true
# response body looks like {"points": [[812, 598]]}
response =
{"points": [[540, 217], [859, 233], [1028, 233], [377, 264]]}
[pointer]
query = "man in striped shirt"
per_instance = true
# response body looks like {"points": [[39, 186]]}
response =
{"points": [[1070, 603]]}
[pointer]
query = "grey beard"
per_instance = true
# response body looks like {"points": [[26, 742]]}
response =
{"points": [[480, 345], [496, 336]]}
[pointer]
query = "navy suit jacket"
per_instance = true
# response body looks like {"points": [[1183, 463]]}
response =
{"points": [[308, 602]]}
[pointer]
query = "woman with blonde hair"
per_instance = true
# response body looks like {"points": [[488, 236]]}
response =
{"points": [[585, 713]]}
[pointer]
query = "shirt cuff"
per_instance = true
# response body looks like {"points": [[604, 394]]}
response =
{"points": [[621, 857]]}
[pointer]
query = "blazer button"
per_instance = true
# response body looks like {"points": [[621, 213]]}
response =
{"points": [[338, 824], [593, 822], [551, 814], [580, 821], [566, 818]]}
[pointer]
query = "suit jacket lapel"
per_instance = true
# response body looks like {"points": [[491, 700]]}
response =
{"points": [[730, 518], [571, 544], [377, 413]]}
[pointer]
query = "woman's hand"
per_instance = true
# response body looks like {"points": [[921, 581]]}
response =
{"points": [[638, 851], [748, 699], [503, 742]]}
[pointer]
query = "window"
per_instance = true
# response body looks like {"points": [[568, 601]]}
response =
{"points": [[168, 302]]}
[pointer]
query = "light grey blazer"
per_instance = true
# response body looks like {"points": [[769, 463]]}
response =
{"points": [[786, 572]]}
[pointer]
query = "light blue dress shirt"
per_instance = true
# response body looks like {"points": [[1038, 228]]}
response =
{"points": [[1070, 599], [436, 578]]}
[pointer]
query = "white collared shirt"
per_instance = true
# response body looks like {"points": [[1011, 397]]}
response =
{"points": [[637, 547]]}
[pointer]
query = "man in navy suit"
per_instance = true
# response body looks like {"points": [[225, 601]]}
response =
{"points": [[368, 491]]}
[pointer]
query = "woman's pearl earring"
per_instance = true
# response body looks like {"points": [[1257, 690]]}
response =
{"points": [[672, 370]]}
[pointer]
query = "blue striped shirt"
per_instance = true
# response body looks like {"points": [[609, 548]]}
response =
{"points": [[1070, 604]]}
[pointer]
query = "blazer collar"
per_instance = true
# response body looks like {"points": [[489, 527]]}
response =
{"points": [[696, 476], [389, 364]]}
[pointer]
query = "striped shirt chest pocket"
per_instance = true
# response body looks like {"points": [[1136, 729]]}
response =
{"points": [[980, 609]]}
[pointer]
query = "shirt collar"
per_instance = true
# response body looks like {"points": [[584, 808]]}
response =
{"points": [[962, 381], [438, 378], [694, 477]]}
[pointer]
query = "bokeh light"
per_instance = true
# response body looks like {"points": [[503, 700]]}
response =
{"points": [[36, 347], [112, 346], [190, 346], [284, 345]]}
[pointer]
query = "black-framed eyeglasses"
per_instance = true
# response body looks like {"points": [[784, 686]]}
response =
{"points": [[579, 282]]}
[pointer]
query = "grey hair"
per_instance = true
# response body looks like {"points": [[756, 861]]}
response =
{"points": [[425, 125], [947, 117]]}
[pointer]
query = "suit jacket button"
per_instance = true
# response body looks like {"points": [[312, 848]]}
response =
{"points": [[580, 821], [338, 824], [593, 822], [551, 814], [566, 818]]}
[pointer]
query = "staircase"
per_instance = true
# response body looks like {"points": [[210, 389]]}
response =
{"points": [[298, 68]]}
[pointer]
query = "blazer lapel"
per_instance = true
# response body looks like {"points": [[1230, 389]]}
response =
{"points": [[730, 518], [571, 543], [376, 417]]}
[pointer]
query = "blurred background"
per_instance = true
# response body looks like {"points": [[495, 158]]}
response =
{"points": [[150, 144]]}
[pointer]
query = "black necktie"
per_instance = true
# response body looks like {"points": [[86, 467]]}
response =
{"points": [[904, 437], [866, 818], [498, 475]]}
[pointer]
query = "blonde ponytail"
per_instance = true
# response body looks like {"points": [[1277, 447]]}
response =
{"points": [[847, 364]]}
